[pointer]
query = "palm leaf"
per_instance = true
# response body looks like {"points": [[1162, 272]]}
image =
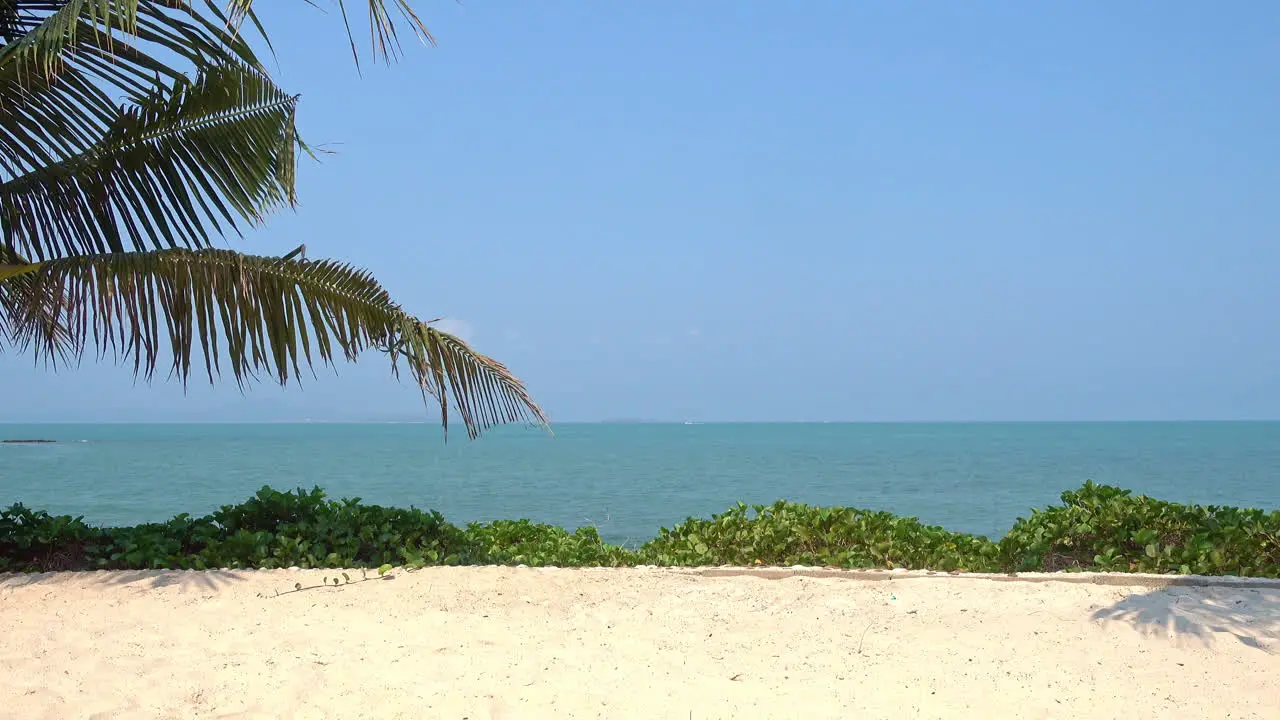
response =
{"points": [[261, 315], [383, 31], [75, 57], [28, 318], [75, 184], [149, 124], [81, 175], [185, 160]]}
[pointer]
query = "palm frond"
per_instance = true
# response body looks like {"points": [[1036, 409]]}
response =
{"points": [[132, 126], [49, 34], [185, 160], [11, 19], [384, 37], [111, 46], [83, 175], [28, 318], [74, 181], [484, 391], [262, 315]]}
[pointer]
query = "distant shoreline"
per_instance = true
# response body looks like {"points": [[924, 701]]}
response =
{"points": [[1243, 421]]}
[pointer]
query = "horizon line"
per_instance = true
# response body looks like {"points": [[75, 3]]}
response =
{"points": [[647, 422]]}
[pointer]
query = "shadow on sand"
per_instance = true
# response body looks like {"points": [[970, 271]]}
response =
{"points": [[205, 581], [1251, 616], [202, 580]]}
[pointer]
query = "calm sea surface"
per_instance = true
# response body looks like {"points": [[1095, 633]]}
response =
{"points": [[629, 480]]}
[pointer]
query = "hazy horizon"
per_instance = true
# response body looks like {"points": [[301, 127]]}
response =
{"points": [[310, 421]]}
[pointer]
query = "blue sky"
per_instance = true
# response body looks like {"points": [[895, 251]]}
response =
{"points": [[753, 210]]}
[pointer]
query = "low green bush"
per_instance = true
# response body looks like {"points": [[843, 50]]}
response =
{"points": [[788, 533], [521, 542], [1105, 528], [1096, 527]]}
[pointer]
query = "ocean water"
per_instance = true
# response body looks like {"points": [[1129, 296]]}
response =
{"points": [[629, 480]]}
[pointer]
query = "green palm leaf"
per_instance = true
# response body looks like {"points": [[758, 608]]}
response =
{"points": [[82, 175], [259, 314], [184, 160], [134, 130], [383, 32], [28, 318], [72, 186]]}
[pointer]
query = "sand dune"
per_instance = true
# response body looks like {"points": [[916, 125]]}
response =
{"points": [[644, 643]]}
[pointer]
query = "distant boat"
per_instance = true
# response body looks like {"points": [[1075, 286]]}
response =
{"points": [[690, 422]]}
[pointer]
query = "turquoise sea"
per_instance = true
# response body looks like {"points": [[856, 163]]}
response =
{"points": [[631, 479]]}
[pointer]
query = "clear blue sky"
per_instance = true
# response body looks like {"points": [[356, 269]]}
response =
{"points": [[754, 210]]}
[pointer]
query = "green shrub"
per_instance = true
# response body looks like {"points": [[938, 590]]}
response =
{"points": [[304, 529], [34, 540], [1095, 528], [1106, 528], [522, 542], [794, 534]]}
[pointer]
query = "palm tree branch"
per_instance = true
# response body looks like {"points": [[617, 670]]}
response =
{"points": [[264, 314], [26, 317], [383, 32], [57, 82], [55, 32], [213, 149], [80, 175]]}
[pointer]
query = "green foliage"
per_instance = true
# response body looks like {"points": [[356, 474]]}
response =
{"points": [[304, 529], [794, 534], [35, 540], [1106, 528], [1096, 528], [521, 542]]}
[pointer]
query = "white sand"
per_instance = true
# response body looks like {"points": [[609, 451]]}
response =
{"points": [[522, 643]]}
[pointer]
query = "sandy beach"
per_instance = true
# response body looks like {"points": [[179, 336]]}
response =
{"points": [[638, 643]]}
